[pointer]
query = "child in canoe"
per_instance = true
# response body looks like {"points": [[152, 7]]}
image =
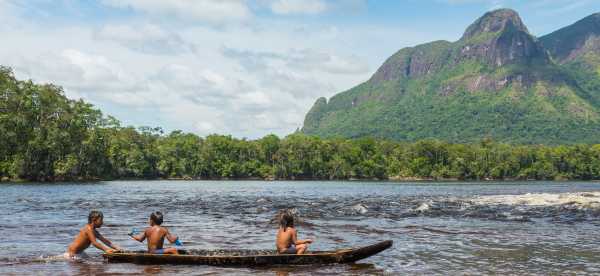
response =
{"points": [[87, 236], [287, 237], [156, 235]]}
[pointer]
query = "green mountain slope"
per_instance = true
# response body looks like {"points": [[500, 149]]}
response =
{"points": [[577, 47], [497, 81], [575, 41]]}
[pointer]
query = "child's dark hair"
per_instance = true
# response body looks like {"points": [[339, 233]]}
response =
{"points": [[157, 217], [286, 220], [94, 214]]}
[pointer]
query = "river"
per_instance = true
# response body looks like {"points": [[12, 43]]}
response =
{"points": [[520, 228]]}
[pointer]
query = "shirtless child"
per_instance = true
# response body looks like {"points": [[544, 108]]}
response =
{"points": [[287, 237], [88, 235], [156, 235]]}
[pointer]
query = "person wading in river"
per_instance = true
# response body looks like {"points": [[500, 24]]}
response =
{"points": [[287, 237], [88, 235]]}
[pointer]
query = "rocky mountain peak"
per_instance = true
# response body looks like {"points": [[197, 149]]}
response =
{"points": [[495, 21], [498, 38]]}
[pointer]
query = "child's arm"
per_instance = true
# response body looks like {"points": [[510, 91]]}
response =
{"points": [[107, 242], [91, 234], [295, 238], [140, 237], [304, 241], [172, 238]]}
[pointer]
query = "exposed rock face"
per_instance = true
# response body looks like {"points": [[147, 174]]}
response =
{"points": [[493, 22], [484, 82], [414, 62], [499, 38], [506, 48]]}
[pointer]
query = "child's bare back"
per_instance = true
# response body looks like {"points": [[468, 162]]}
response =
{"points": [[156, 234], [287, 237]]}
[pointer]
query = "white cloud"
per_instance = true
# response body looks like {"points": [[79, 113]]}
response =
{"points": [[4, 7], [217, 104], [83, 75], [6, 14], [145, 38], [210, 11], [202, 87], [206, 128], [309, 59], [178, 75], [95, 69], [298, 6], [303, 59], [294, 84]]}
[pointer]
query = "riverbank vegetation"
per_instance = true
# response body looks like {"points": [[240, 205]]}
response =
{"points": [[45, 136]]}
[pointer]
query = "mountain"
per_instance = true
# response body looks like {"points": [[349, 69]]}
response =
{"points": [[497, 81], [577, 47], [576, 41]]}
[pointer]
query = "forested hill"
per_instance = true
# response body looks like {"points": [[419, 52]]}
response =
{"points": [[497, 81], [46, 137]]}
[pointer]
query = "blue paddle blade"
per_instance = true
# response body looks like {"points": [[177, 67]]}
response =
{"points": [[178, 243]]}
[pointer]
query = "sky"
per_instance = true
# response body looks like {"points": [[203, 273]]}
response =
{"points": [[245, 68]]}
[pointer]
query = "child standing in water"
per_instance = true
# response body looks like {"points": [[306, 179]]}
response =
{"points": [[156, 235], [88, 235], [287, 237]]}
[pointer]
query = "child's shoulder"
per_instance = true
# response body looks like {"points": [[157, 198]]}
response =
{"points": [[163, 229], [291, 229]]}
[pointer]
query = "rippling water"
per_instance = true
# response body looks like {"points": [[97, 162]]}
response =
{"points": [[449, 228]]}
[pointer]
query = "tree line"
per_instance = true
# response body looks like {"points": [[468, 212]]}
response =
{"points": [[44, 136]]}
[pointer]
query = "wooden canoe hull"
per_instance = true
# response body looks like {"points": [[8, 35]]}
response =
{"points": [[240, 259]]}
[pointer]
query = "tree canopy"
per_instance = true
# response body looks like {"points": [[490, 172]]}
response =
{"points": [[44, 136]]}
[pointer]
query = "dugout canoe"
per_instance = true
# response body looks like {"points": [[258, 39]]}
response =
{"points": [[224, 257]]}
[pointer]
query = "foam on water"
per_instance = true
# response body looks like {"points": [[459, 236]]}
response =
{"points": [[589, 200]]}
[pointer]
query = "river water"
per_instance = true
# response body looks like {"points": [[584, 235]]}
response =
{"points": [[520, 228]]}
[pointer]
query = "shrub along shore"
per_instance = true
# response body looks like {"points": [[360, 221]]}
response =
{"points": [[45, 136]]}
